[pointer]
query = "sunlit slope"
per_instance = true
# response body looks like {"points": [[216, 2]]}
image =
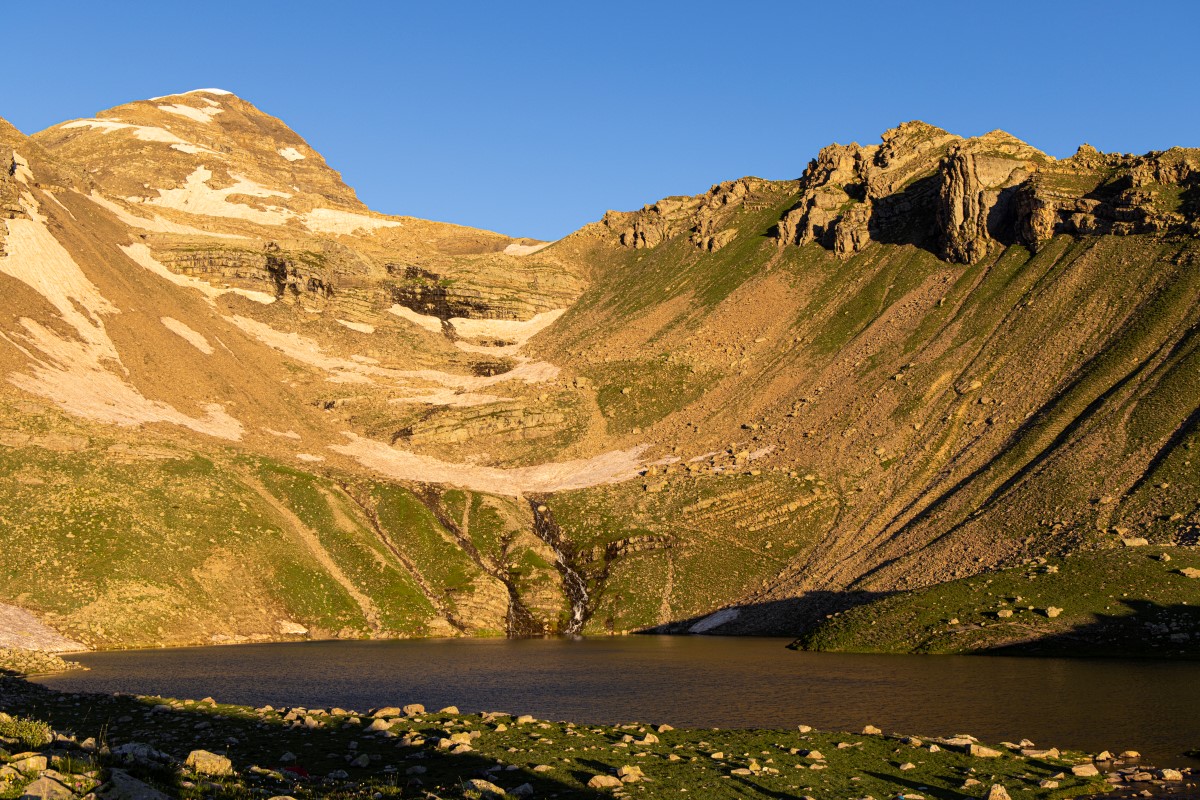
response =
{"points": [[1040, 399], [239, 405]]}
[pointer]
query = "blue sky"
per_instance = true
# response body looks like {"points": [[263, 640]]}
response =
{"points": [[534, 118]]}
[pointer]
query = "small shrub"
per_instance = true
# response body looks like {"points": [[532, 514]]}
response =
{"points": [[29, 732]]}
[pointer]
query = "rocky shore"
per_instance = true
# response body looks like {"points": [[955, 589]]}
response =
{"points": [[59, 746]]}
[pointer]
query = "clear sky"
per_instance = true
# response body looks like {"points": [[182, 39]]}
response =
{"points": [[533, 118]]}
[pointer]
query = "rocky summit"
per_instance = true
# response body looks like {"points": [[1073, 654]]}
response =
{"points": [[938, 386]]}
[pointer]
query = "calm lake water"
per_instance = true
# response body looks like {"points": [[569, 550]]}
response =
{"points": [[1150, 706]]}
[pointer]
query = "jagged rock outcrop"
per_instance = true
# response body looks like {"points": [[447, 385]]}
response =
{"points": [[1093, 193], [959, 197], [702, 216], [920, 186], [851, 195], [976, 202]]}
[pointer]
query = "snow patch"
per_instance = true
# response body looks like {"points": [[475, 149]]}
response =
{"points": [[612, 467], [361, 327], [344, 370], [515, 249], [715, 620], [192, 337], [75, 373], [155, 223], [429, 323], [197, 197], [291, 154], [309, 457], [21, 169], [332, 220], [283, 434], [146, 133], [193, 91], [197, 114], [21, 630], [516, 331], [140, 254]]}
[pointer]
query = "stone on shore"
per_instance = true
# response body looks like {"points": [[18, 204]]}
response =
{"points": [[979, 751], [1085, 770]]}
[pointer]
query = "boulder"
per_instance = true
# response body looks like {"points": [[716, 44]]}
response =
{"points": [[1085, 770], [629, 774], [123, 786], [29, 763], [413, 710], [979, 751], [203, 762], [604, 782], [140, 753], [387, 711], [1190, 572], [46, 788], [998, 792]]}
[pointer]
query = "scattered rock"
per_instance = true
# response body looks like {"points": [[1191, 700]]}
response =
{"points": [[486, 789], [629, 774], [998, 792], [205, 763], [604, 782], [979, 751], [1085, 770]]}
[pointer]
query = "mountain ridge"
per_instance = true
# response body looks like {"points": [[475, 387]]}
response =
{"points": [[921, 361]]}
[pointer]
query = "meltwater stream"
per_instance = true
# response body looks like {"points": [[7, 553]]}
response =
{"points": [[1150, 706]]}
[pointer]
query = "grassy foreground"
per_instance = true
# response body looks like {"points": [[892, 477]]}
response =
{"points": [[133, 746]]}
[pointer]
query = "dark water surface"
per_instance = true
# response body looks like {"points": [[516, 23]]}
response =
{"points": [[1150, 706]]}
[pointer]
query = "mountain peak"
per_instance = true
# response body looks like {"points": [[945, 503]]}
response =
{"points": [[218, 92], [208, 153]]}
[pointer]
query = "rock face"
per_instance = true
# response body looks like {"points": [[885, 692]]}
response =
{"points": [[960, 197], [921, 185], [701, 217]]}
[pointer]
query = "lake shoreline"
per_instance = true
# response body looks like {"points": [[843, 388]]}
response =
{"points": [[396, 751]]}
